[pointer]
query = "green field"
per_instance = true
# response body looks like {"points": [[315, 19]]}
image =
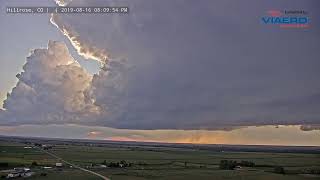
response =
{"points": [[154, 163]]}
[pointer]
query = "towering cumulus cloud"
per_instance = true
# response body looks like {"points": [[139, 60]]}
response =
{"points": [[51, 89]]}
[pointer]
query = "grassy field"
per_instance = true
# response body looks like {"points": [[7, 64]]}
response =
{"points": [[154, 163]]}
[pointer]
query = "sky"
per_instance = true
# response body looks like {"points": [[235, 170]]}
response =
{"points": [[204, 72], [18, 38]]}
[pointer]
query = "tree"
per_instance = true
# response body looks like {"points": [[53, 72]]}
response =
{"points": [[34, 163], [247, 163], [228, 165], [279, 170]]}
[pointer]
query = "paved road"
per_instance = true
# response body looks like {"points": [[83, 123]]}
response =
{"points": [[73, 165]]}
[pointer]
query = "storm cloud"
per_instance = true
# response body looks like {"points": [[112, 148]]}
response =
{"points": [[192, 66], [51, 89]]}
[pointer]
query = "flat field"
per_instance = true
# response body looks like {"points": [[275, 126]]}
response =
{"points": [[155, 163]]}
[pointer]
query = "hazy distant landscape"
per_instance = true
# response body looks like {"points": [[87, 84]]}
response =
{"points": [[139, 161]]}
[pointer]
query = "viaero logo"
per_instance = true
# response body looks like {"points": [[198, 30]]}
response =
{"points": [[287, 19]]}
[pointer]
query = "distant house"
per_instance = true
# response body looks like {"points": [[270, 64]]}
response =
{"points": [[58, 164]]}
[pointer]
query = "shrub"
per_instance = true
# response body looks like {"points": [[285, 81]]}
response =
{"points": [[279, 170], [122, 163], [247, 163], [228, 165], [34, 163]]}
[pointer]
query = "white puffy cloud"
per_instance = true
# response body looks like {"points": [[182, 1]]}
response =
{"points": [[51, 89]]}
